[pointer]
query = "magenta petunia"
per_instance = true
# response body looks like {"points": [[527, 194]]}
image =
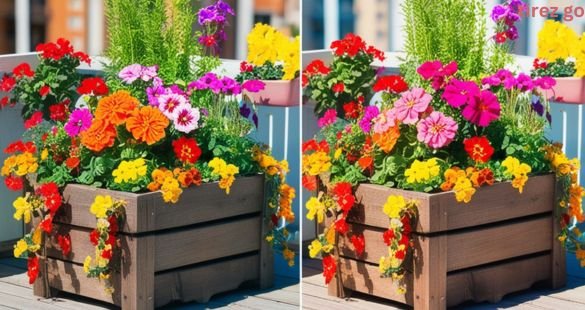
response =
{"points": [[328, 118], [483, 109], [436, 130], [79, 121], [253, 86], [186, 118], [411, 104], [545, 82], [168, 103], [458, 93], [370, 113]]}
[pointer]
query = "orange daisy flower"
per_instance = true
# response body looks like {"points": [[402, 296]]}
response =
{"points": [[387, 140], [116, 107], [100, 135], [147, 124]]}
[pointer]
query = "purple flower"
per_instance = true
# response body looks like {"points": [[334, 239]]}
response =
{"points": [[255, 119], [537, 106], [130, 73], [224, 8], [230, 86], [498, 12], [517, 5], [245, 110], [328, 118], [154, 91], [79, 121], [148, 73], [253, 86], [186, 118], [483, 109], [207, 15], [370, 113], [524, 82], [458, 93], [512, 33]]}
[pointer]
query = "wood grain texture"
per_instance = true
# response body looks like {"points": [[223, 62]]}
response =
{"points": [[558, 259], [200, 283], [148, 212], [187, 247], [491, 244], [266, 259], [492, 283], [137, 272], [81, 247], [430, 272], [441, 212]]}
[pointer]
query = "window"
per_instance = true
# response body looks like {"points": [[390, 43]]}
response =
{"points": [[76, 5], [75, 23]]}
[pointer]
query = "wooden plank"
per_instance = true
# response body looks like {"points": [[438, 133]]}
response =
{"points": [[365, 278], [493, 282], [430, 273], [200, 283], [559, 260], [490, 244], [266, 261], [187, 247], [375, 246], [81, 247], [441, 212], [68, 277], [148, 212], [137, 272]]}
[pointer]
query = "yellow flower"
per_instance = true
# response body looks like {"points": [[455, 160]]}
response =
{"points": [[101, 205], [422, 171], [37, 237], [464, 190], [315, 248], [130, 171], [225, 171], [315, 207], [265, 43], [394, 206], [20, 248], [44, 154], [87, 264], [23, 209], [316, 163], [337, 153], [269, 238], [511, 164], [171, 190], [289, 256]]}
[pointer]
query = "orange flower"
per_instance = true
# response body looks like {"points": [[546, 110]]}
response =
{"points": [[366, 163], [387, 140], [116, 107], [147, 124], [100, 135]]}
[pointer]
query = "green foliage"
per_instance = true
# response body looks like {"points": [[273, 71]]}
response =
{"points": [[150, 32], [558, 68], [268, 71]]}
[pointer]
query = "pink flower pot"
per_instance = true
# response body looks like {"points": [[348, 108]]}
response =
{"points": [[568, 90], [283, 93]]}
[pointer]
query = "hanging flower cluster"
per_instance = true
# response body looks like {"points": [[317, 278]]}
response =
{"points": [[506, 16], [110, 215], [398, 237], [213, 19]]}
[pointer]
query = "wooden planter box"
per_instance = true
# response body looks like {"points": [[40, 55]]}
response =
{"points": [[501, 242], [207, 243]]}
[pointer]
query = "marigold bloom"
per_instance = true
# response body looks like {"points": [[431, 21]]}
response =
{"points": [[147, 124], [117, 107], [186, 150], [387, 140], [479, 149], [100, 135]]}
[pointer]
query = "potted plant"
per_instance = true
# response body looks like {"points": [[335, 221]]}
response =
{"points": [[273, 58], [559, 56], [125, 187], [428, 196]]}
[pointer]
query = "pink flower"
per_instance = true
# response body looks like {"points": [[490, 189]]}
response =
{"points": [[411, 104], [545, 82], [458, 93], [253, 86], [168, 103], [429, 69], [186, 118], [437, 130], [385, 120], [328, 118], [483, 109]]}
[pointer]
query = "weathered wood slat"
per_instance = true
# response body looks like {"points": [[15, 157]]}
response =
{"points": [[201, 283], [147, 212], [441, 212], [186, 247]]}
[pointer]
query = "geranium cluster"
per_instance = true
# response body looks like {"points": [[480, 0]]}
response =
{"points": [[213, 19], [506, 16], [332, 87]]}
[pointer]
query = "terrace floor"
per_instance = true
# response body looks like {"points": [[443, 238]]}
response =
{"points": [[16, 293], [315, 296]]}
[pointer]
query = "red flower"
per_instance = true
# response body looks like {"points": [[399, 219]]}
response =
{"points": [[329, 268], [93, 86], [23, 70], [47, 224], [479, 149], [400, 254], [44, 91], [388, 236], [113, 224], [350, 45], [404, 240], [107, 254], [59, 112], [186, 150], [310, 182], [313, 145], [64, 243], [14, 183], [406, 227], [338, 88], [539, 63], [317, 66], [500, 37], [56, 51], [341, 226], [94, 237], [48, 189], [33, 269], [53, 202], [359, 244], [366, 163], [246, 67], [352, 110], [344, 196], [5, 101], [72, 162], [18, 146], [7, 83], [111, 240], [83, 57], [304, 80], [376, 53], [390, 83]]}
